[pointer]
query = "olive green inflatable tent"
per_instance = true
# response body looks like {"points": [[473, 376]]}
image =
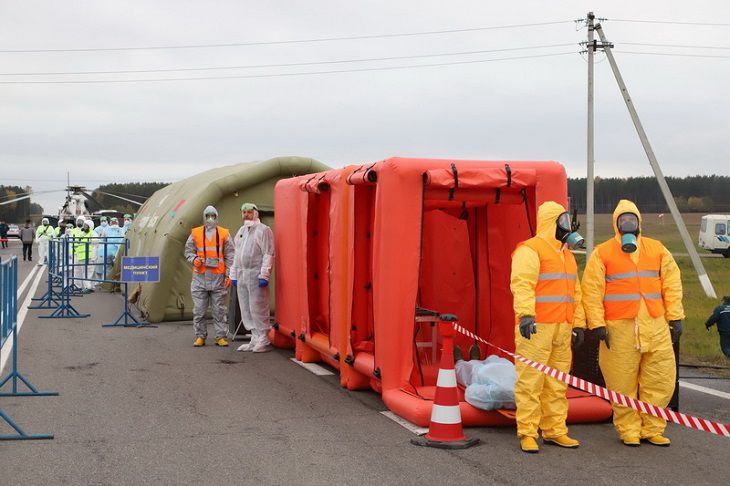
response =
{"points": [[163, 224]]}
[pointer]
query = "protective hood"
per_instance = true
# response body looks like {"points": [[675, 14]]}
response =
{"points": [[547, 214], [90, 223], [209, 210], [625, 206]]}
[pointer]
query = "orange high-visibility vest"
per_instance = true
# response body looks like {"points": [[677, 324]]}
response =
{"points": [[555, 289], [210, 248], [627, 282]]}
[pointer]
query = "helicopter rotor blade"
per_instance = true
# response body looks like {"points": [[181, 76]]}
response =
{"points": [[15, 200], [122, 198]]}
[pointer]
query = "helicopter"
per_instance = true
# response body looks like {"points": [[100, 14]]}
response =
{"points": [[78, 202]]}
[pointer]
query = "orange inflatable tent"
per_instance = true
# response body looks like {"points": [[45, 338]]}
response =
{"points": [[363, 253]]}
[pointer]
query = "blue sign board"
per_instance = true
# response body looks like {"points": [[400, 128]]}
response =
{"points": [[140, 269]]}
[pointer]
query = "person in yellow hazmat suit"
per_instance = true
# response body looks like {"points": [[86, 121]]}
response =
{"points": [[549, 316], [631, 288]]}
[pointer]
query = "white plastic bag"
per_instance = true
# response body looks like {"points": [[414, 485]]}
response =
{"points": [[490, 383]]}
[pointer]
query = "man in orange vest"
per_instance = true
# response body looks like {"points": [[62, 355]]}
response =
{"points": [[631, 288], [549, 315], [210, 250]]}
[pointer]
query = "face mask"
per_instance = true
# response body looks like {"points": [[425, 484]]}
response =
{"points": [[210, 222], [248, 223], [564, 232], [103, 223], [628, 226]]}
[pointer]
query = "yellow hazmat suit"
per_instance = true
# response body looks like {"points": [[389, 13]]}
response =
{"points": [[639, 358], [541, 401]]}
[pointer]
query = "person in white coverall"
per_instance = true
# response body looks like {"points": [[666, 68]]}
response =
{"points": [[251, 273], [43, 234]]}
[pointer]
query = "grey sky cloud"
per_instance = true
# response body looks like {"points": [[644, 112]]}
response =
{"points": [[513, 109]]}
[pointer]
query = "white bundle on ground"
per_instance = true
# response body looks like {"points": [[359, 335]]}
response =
{"points": [[490, 383]]}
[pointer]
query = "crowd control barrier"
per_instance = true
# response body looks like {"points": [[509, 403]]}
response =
{"points": [[8, 329], [75, 265]]}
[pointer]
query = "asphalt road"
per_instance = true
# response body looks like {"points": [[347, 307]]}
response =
{"points": [[142, 406]]}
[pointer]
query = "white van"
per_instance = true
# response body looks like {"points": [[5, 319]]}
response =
{"points": [[715, 233]]}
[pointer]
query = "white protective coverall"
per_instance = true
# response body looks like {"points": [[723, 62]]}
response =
{"points": [[254, 260], [44, 232]]}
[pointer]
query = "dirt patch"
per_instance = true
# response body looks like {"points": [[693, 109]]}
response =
{"points": [[86, 366]]}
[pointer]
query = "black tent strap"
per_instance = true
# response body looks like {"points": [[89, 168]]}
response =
{"points": [[456, 181]]}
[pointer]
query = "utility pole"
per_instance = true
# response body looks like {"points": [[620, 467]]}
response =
{"points": [[590, 159], [701, 273]]}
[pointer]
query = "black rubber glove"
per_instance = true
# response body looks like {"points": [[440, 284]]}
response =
{"points": [[578, 337], [675, 327], [527, 326], [602, 334]]}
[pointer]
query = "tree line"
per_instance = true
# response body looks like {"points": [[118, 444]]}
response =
{"points": [[137, 191], [705, 194], [17, 211]]}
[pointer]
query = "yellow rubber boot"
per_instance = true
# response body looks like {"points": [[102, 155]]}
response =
{"points": [[529, 444], [659, 440], [221, 342], [199, 341], [562, 441], [631, 441]]}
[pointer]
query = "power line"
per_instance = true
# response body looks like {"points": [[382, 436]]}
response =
{"points": [[708, 24], [312, 63], [673, 54], [281, 75], [292, 41], [671, 45]]}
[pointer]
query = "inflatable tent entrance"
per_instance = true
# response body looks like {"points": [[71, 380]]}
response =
{"points": [[163, 224], [362, 251]]}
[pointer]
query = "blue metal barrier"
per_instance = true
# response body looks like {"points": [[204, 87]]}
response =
{"points": [[75, 263], [52, 299], [126, 319], [8, 327], [60, 269]]}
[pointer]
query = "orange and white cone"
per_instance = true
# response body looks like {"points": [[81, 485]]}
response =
{"points": [[445, 431]]}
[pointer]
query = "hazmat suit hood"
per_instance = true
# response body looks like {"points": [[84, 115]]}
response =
{"points": [[625, 206], [210, 210], [547, 215]]}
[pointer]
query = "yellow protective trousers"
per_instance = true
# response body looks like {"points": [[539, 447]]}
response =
{"points": [[540, 399], [639, 364]]}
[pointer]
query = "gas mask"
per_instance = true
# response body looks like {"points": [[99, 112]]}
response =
{"points": [[564, 232], [210, 221], [628, 226]]}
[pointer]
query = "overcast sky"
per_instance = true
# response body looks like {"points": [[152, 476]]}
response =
{"points": [[530, 108]]}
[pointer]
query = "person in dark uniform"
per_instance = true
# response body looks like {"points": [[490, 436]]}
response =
{"points": [[721, 317]]}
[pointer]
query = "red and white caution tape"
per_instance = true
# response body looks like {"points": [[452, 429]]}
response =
{"points": [[610, 395]]}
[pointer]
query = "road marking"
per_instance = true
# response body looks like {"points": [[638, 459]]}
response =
{"points": [[704, 389], [26, 281], [313, 368], [405, 423], [8, 346]]}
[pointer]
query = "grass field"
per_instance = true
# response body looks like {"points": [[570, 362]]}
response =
{"points": [[697, 345]]}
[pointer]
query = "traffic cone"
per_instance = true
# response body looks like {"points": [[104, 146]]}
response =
{"points": [[445, 431]]}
